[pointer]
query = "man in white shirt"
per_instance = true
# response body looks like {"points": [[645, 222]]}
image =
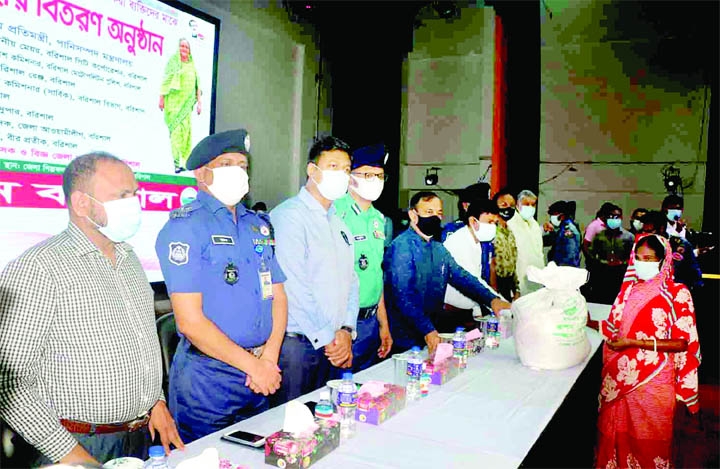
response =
{"points": [[528, 236], [464, 245]]}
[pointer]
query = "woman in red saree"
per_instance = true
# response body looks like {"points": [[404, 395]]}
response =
{"points": [[650, 361]]}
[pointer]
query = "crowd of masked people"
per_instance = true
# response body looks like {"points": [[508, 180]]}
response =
{"points": [[269, 305]]}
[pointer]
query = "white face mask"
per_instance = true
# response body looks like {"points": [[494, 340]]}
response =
{"points": [[123, 218], [638, 225], [230, 184], [646, 270], [485, 232], [334, 183], [368, 189], [555, 220], [527, 212]]}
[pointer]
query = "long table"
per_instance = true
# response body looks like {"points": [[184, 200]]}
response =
{"points": [[488, 416]]}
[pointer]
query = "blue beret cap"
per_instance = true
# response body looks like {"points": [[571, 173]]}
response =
{"points": [[371, 155], [212, 146]]}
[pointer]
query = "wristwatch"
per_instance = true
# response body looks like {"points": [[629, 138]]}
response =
{"points": [[351, 331]]}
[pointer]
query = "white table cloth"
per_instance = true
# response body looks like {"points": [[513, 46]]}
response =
{"points": [[488, 416]]}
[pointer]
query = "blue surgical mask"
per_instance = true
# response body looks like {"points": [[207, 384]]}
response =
{"points": [[613, 223], [674, 214]]}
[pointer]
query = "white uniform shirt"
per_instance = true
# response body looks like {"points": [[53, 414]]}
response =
{"points": [[528, 237]]}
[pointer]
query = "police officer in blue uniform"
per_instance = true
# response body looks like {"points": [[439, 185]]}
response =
{"points": [[227, 293]]}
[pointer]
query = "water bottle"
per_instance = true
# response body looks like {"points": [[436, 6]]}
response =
{"points": [[157, 460], [492, 333], [460, 347], [324, 408], [425, 380], [414, 370], [347, 403]]}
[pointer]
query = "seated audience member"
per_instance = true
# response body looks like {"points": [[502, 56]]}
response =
{"points": [[465, 246], [81, 376], [528, 237], [562, 235], [636, 224], [687, 270], [417, 271], [651, 357], [506, 279], [610, 252], [672, 207]]}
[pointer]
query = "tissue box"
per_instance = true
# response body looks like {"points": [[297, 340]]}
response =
{"points": [[290, 451], [444, 371], [375, 410]]}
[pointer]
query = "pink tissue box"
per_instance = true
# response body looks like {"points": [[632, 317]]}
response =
{"points": [[444, 371], [290, 451], [375, 410]]}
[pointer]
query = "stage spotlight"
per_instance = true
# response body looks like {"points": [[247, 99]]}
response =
{"points": [[431, 176], [672, 180]]}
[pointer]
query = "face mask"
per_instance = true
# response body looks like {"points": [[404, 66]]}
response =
{"points": [[646, 270], [506, 213], [230, 184], [123, 218], [430, 226], [334, 183], [674, 214], [613, 223], [555, 220], [485, 232], [638, 225], [368, 189], [527, 212]]}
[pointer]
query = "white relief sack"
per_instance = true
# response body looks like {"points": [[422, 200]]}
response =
{"points": [[549, 324]]}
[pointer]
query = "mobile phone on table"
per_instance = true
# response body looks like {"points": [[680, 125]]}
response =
{"points": [[245, 438], [311, 405]]}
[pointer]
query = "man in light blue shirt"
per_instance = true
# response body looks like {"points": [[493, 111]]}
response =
{"points": [[315, 250]]}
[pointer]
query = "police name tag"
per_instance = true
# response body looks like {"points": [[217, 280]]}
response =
{"points": [[222, 239], [266, 284]]}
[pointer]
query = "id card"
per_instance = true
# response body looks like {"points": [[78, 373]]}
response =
{"points": [[266, 284]]}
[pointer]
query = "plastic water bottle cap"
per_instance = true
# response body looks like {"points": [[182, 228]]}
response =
{"points": [[324, 395], [460, 329], [156, 451], [415, 349], [347, 376]]}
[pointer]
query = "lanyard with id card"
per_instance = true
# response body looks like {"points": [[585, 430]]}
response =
{"points": [[265, 276]]}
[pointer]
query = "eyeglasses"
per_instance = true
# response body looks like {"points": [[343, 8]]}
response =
{"points": [[369, 176]]}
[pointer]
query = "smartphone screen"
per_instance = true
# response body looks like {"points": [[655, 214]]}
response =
{"points": [[311, 405]]}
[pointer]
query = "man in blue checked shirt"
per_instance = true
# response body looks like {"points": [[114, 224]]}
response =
{"points": [[417, 271], [227, 293], [315, 250]]}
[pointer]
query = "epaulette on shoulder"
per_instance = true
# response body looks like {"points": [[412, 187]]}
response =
{"points": [[184, 211]]}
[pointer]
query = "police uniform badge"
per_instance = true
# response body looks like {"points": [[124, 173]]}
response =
{"points": [[363, 262], [230, 274], [178, 253], [264, 230]]}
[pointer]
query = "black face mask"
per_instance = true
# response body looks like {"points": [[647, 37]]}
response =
{"points": [[430, 226], [506, 213]]}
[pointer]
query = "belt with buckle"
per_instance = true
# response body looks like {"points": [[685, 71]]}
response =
{"points": [[85, 428], [367, 312], [255, 351], [296, 335]]}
